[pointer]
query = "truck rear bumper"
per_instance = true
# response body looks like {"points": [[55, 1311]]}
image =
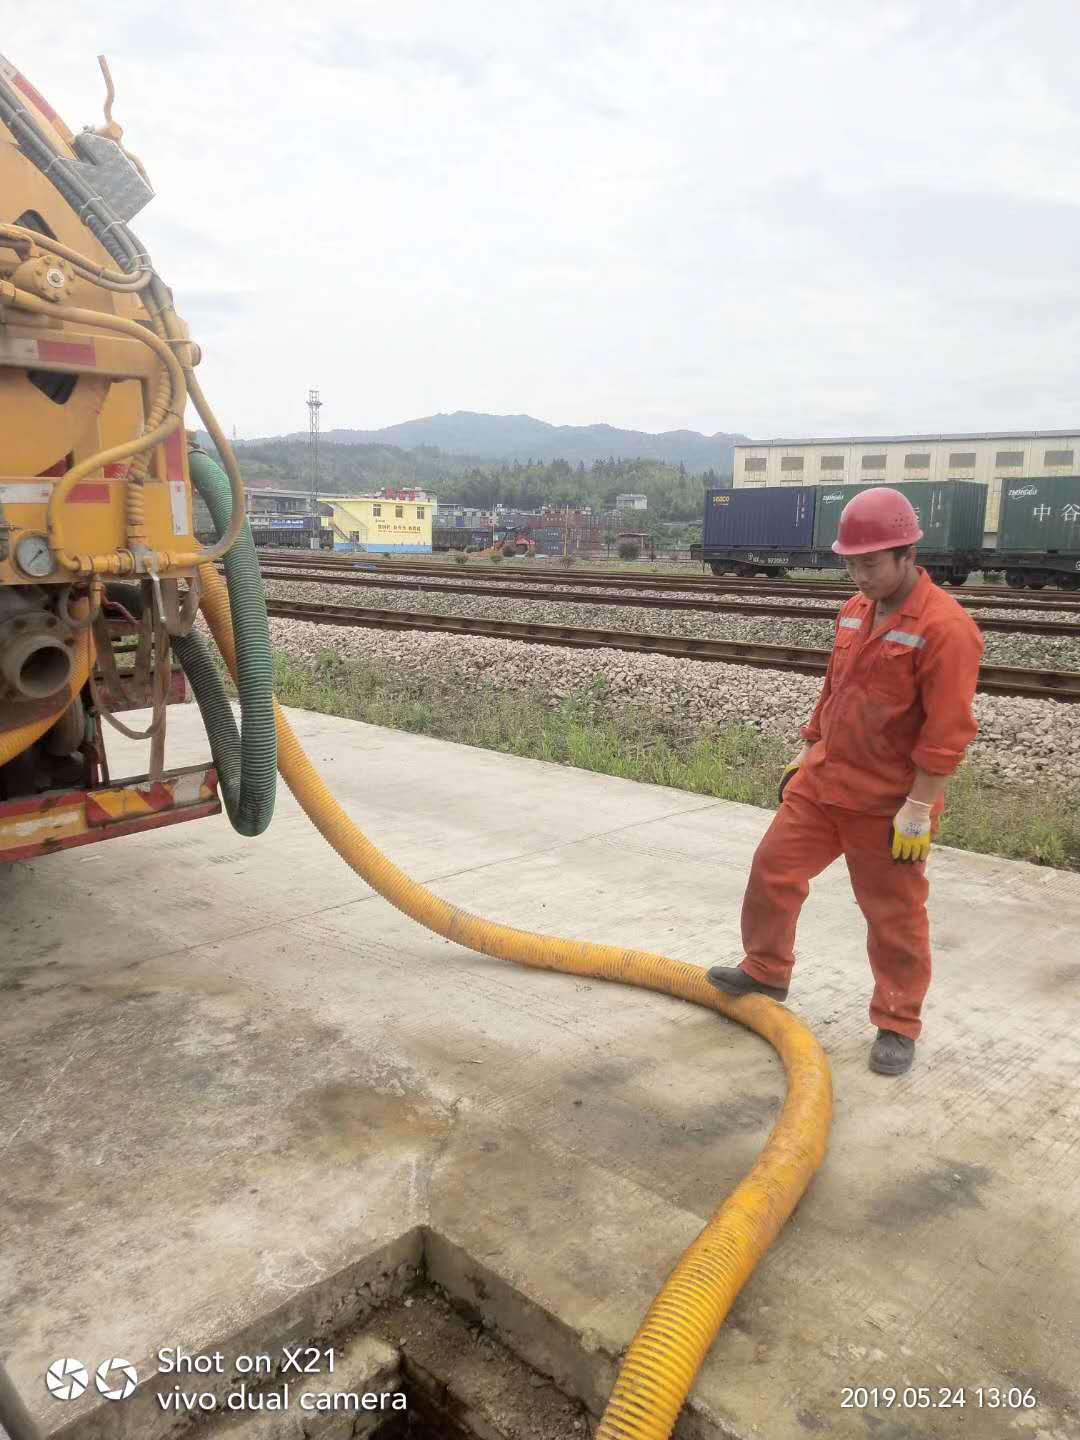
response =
{"points": [[62, 819]]}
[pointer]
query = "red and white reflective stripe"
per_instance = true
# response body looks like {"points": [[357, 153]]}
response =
{"points": [[851, 622], [21, 350], [60, 820], [110, 805]]}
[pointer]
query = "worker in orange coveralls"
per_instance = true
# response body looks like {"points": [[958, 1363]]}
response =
{"points": [[890, 726]]}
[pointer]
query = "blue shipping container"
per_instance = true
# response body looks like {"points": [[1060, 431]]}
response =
{"points": [[780, 517]]}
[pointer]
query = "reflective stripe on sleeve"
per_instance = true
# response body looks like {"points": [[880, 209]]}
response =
{"points": [[851, 622]]}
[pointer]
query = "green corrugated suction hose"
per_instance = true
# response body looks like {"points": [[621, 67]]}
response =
{"points": [[246, 760], [246, 763]]}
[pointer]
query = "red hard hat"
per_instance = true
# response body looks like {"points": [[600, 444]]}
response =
{"points": [[876, 519]]}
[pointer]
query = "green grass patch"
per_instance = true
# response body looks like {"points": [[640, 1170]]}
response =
{"points": [[1040, 823], [587, 730], [584, 730]]}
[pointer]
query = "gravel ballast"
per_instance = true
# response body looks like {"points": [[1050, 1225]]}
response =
{"points": [[1021, 741], [1041, 652]]}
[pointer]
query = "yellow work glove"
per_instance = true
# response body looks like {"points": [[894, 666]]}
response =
{"points": [[911, 831], [790, 771]]}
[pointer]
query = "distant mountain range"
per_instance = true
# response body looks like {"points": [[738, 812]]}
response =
{"points": [[521, 437]]}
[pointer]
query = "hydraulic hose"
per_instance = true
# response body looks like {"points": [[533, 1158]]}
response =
{"points": [[684, 1319]]}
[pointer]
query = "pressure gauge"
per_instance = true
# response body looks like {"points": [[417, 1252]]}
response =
{"points": [[34, 556]]}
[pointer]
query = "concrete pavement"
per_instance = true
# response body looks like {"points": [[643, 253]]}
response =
{"points": [[243, 1100]]}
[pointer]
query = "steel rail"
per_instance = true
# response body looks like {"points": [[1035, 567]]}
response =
{"points": [[645, 601], [993, 679], [649, 584]]}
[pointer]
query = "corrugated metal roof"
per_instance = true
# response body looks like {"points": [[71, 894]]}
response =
{"points": [[418, 499], [274, 493], [911, 439]]}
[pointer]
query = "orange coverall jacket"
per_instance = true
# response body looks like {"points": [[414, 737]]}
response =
{"points": [[896, 698]]}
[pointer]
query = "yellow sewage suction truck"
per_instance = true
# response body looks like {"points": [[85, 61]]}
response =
{"points": [[101, 581]]}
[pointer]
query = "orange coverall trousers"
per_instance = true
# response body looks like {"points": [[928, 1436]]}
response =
{"points": [[805, 838]]}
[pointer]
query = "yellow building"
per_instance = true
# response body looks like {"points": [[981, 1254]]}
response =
{"points": [[397, 522]]}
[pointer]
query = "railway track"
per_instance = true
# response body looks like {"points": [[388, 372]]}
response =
{"points": [[722, 605], [605, 575], [993, 679], [972, 598]]}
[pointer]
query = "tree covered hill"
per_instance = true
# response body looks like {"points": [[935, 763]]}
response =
{"points": [[495, 464], [521, 437], [673, 492]]}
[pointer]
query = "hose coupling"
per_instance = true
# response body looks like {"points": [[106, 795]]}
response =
{"points": [[36, 655], [47, 276]]}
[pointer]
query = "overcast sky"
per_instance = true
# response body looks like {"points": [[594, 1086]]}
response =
{"points": [[780, 218]]}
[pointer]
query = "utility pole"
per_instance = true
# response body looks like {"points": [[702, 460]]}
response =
{"points": [[314, 405], [566, 531]]}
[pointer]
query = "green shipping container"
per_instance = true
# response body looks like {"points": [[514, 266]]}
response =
{"points": [[1040, 514], [951, 513]]}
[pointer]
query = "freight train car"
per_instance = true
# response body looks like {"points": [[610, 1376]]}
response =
{"points": [[773, 530], [280, 532], [556, 540], [758, 532], [285, 528], [464, 537], [289, 532], [461, 537], [1039, 532], [951, 516]]}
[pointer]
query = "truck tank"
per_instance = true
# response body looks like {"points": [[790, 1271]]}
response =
{"points": [[98, 556]]}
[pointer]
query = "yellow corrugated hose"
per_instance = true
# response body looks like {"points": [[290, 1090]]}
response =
{"points": [[684, 1319]]}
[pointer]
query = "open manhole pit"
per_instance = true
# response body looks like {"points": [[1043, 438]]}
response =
{"points": [[462, 1383], [418, 1369], [383, 1352]]}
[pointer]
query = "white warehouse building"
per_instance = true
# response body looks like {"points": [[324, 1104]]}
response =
{"points": [[988, 458]]}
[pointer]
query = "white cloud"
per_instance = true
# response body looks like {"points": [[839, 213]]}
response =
{"points": [[776, 219]]}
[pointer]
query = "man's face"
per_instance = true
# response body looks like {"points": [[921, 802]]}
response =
{"points": [[881, 574]]}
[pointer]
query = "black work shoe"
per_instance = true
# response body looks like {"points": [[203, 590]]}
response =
{"points": [[891, 1054], [735, 981]]}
